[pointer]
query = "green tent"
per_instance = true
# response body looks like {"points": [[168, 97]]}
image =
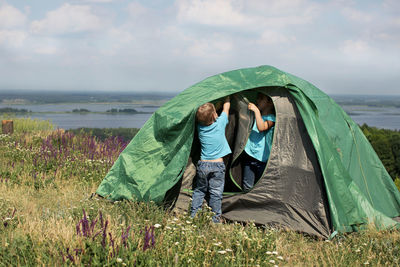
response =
{"points": [[322, 176]]}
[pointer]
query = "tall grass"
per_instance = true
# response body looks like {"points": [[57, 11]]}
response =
{"points": [[28, 125], [49, 217]]}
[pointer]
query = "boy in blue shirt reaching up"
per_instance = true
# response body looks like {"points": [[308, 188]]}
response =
{"points": [[211, 168], [258, 146]]}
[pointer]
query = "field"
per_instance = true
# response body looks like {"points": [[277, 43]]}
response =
{"points": [[49, 217]]}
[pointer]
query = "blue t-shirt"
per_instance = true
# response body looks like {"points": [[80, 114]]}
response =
{"points": [[259, 143], [212, 139]]}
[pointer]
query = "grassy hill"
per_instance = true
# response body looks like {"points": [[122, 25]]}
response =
{"points": [[49, 217]]}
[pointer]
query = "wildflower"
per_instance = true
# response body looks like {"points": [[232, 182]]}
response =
{"points": [[221, 251], [217, 244], [157, 225], [168, 228], [176, 243], [280, 258], [275, 252], [358, 250], [119, 260], [228, 249], [366, 263], [272, 261], [268, 252], [188, 222]]}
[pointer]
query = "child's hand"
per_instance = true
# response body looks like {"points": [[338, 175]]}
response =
{"points": [[252, 107], [218, 105]]}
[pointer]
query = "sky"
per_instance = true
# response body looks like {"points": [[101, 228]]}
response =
{"points": [[340, 46]]}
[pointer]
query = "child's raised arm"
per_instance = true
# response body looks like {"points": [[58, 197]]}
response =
{"points": [[227, 105], [261, 124]]}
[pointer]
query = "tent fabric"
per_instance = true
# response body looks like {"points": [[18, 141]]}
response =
{"points": [[357, 187], [290, 192]]}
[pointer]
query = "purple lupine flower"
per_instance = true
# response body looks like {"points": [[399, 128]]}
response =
{"points": [[78, 228], [77, 251], [125, 236], [112, 243], [69, 256], [85, 224], [149, 236], [103, 241]]}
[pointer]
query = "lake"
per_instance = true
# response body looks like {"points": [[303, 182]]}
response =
{"points": [[92, 120], [381, 117]]}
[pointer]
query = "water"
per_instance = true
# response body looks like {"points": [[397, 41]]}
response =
{"points": [[92, 120], [380, 117]]}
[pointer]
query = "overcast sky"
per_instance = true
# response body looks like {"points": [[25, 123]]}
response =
{"points": [[341, 46]]}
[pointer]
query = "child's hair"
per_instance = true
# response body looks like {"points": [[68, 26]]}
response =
{"points": [[268, 99], [205, 114]]}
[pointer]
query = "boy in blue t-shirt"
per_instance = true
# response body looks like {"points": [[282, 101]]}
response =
{"points": [[258, 146], [211, 168]]}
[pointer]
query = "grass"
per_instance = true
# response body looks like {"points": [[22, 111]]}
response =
{"points": [[48, 217]]}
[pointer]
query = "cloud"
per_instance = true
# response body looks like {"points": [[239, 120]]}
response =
{"points": [[10, 17], [357, 15], [210, 12], [68, 19], [271, 37], [12, 38], [214, 48], [356, 49], [136, 9], [97, 1], [249, 14]]}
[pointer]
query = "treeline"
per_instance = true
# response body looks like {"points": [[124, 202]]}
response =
{"points": [[13, 110], [386, 144], [124, 110]]}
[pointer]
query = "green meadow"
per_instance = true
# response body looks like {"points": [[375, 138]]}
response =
{"points": [[49, 216]]}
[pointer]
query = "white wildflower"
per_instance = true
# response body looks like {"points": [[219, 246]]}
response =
{"points": [[221, 251], [176, 243], [268, 252], [280, 258], [229, 250], [157, 225], [366, 263], [275, 252], [119, 260], [272, 261]]}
